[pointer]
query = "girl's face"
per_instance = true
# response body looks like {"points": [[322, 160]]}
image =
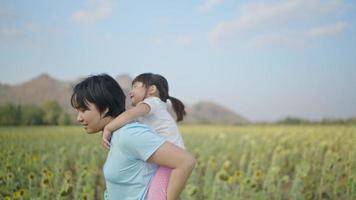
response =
{"points": [[91, 119], [138, 93]]}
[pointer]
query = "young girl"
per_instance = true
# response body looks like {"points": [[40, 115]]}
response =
{"points": [[149, 95]]}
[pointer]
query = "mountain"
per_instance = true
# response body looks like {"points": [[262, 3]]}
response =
{"points": [[38, 90], [210, 112], [124, 81], [42, 88]]}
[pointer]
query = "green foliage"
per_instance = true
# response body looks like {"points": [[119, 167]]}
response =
{"points": [[50, 114], [294, 120], [9, 114], [52, 110], [326, 121], [31, 115], [64, 119]]}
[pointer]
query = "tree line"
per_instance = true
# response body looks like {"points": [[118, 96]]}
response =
{"points": [[49, 113], [326, 121]]}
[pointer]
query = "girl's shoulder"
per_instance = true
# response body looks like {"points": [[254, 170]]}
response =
{"points": [[155, 104], [153, 99]]}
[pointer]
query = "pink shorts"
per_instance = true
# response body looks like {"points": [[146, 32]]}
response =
{"points": [[159, 184]]}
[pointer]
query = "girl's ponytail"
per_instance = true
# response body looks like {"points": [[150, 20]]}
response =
{"points": [[161, 83], [178, 108]]}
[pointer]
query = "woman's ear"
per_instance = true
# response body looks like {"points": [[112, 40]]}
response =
{"points": [[105, 111]]}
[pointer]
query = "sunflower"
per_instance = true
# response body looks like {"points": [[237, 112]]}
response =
{"points": [[31, 176], [45, 182], [223, 175], [10, 176]]}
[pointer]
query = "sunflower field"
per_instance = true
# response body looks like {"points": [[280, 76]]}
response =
{"points": [[233, 162]]}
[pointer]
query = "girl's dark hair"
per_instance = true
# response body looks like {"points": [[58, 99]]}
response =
{"points": [[101, 90], [149, 79]]}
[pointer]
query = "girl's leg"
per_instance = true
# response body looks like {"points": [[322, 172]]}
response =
{"points": [[158, 186]]}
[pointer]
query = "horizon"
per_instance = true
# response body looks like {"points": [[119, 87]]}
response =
{"points": [[264, 60], [191, 104]]}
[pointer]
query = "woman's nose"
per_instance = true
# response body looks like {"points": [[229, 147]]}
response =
{"points": [[79, 117]]}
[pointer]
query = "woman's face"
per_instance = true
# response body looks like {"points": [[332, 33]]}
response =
{"points": [[91, 119], [137, 93]]}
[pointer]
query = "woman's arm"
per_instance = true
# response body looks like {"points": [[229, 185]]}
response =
{"points": [[181, 162], [126, 117]]}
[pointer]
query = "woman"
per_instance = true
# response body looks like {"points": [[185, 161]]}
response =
{"points": [[136, 150]]}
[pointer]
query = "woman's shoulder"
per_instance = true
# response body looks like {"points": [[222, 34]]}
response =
{"points": [[133, 126], [136, 135], [133, 129]]}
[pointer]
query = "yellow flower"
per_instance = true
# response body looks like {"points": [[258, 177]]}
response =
{"points": [[7, 198], [49, 174], [212, 162], [227, 165], [258, 174], [67, 180], [253, 185], [247, 181], [230, 180], [85, 197], [16, 195], [31, 176], [44, 171], [10, 176], [45, 182], [34, 158], [68, 174], [238, 173], [22, 192], [223, 175], [66, 191]]}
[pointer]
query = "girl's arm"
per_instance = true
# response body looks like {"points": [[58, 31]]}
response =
{"points": [[126, 117], [181, 162]]}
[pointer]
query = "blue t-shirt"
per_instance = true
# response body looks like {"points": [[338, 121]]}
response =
{"points": [[126, 171]]}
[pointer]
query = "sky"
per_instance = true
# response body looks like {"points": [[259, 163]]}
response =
{"points": [[265, 60]]}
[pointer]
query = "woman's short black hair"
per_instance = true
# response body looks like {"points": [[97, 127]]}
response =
{"points": [[102, 91]]}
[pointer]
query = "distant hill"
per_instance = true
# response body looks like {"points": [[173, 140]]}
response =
{"points": [[210, 112], [38, 90], [42, 88]]}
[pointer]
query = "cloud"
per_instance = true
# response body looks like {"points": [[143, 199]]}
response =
{"points": [[23, 30], [158, 40], [209, 4], [10, 32], [179, 40], [185, 40], [100, 11], [329, 30], [273, 18], [295, 41], [34, 28]]}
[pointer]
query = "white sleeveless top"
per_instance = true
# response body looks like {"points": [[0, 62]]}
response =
{"points": [[161, 121]]}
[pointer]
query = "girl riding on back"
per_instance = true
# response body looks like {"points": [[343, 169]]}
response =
{"points": [[149, 97]]}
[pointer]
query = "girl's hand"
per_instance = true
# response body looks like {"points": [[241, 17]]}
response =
{"points": [[106, 138]]}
